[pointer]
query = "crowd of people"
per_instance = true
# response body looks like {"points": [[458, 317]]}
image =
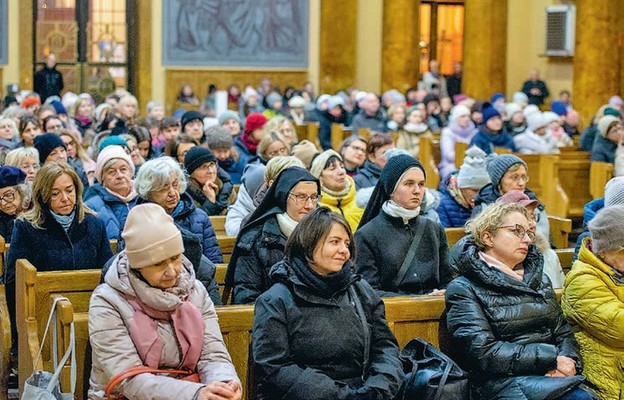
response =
{"points": [[321, 235]]}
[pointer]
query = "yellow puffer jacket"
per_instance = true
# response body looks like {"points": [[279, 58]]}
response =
{"points": [[593, 303], [345, 206]]}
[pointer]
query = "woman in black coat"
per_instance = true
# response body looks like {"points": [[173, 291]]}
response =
{"points": [[261, 242], [320, 331], [504, 318], [392, 226]]}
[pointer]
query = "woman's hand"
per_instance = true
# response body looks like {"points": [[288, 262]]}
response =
{"points": [[220, 391], [554, 374], [566, 365], [210, 190], [437, 292]]}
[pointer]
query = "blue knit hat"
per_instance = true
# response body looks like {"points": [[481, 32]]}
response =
{"points": [[46, 143], [11, 176], [497, 166], [559, 108], [496, 96], [112, 141], [489, 112]]}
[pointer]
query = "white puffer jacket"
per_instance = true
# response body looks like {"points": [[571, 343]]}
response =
{"points": [[114, 352]]}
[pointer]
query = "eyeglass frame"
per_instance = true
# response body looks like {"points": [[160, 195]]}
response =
{"points": [[8, 197], [517, 229], [300, 201], [517, 178]]}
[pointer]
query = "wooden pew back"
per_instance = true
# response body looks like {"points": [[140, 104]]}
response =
{"points": [[35, 292], [425, 154], [574, 178], [226, 243], [218, 224], [544, 173], [599, 174], [338, 134], [460, 153]]}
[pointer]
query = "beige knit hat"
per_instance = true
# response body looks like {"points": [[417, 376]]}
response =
{"points": [[151, 236], [318, 163]]}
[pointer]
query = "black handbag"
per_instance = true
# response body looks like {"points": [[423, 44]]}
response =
{"points": [[431, 374]]}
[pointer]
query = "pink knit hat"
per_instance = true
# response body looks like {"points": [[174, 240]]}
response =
{"points": [[107, 154]]}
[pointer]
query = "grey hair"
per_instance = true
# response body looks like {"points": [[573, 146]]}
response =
{"points": [[152, 104], [25, 192], [154, 176], [15, 157]]}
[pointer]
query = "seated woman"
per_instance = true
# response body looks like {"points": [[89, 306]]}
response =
{"points": [[151, 311], [76, 156], [368, 175], [353, 152], [413, 131], [209, 185], [14, 199], [178, 147], [29, 129], [492, 133], [114, 195], [610, 135], [261, 241], [271, 145], [504, 318], [338, 188], [162, 181], [26, 159], [459, 190], [399, 251], [320, 331], [593, 302], [509, 172]]}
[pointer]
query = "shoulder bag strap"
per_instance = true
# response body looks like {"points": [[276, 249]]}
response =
{"points": [[443, 379], [47, 328], [367, 336], [420, 229], [134, 371]]}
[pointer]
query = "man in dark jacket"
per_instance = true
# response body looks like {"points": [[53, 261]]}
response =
{"points": [[48, 81], [535, 89], [370, 117]]}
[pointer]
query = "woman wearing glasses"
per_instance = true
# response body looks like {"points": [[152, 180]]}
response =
{"points": [[504, 319], [14, 198], [353, 152], [509, 172], [608, 139], [261, 241]]}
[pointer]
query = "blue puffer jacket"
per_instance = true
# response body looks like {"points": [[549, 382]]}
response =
{"points": [[110, 209], [451, 213], [589, 212], [195, 220]]}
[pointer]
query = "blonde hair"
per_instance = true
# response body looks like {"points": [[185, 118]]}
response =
{"points": [[15, 157], [128, 99], [42, 193], [269, 138], [82, 98], [393, 109], [490, 219], [275, 123], [80, 152], [278, 164]]}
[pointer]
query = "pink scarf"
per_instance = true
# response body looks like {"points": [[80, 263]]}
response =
{"points": [[496, 264]]}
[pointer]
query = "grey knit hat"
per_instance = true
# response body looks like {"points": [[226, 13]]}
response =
{"points": [[472, 173], [614, 191], [497, 166], [218, 138], [607, 230], [228, 115]]}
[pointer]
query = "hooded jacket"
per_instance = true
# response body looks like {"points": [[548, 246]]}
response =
{"points": [[367, 176], [110, 315], [451, 213], [261, 243], [325, 122], [508, 333], [487, 141], [593, 302], [311, 345], [110, 209], [345, 206]]}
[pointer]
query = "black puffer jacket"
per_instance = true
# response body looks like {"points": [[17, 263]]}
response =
{"points": [[310, 345], [509, 333], [257, 250]]}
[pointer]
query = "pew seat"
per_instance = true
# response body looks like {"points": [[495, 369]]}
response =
{"points": [[218, 224]]}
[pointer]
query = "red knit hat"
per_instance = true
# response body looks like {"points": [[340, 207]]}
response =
{"points": [[30, 101], [254, 121]]}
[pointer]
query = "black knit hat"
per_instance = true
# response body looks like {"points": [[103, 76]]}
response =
{"points": [[190, 116], [11, 176], [390, 175], [46, 143], [196, 157]]}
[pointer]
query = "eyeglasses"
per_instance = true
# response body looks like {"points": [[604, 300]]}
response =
{"points": [[358, 148], [7, 198], [519, 231], [302, 199], [519, 178], [112, 172]]}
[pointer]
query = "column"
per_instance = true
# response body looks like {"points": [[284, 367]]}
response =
{"points": [[337, 45], [485, 48], [597, 56], [400, 52]]}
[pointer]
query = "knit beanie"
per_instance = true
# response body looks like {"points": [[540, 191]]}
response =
{"points": [[550, 116], [30, 101], [254, 121], [458, 111], [615, 101], [517, 197], [530, 109], [11, 176], [612, 111], [112, 141], [190, 116], [511, 109], [305, 151], [228, 115], [520, 98], [219, 138], [607, 230], [489, 113], [472, 173], [196, 157], [334, 101], [150, 236], [614, 191], [46, 143], [273, 98], [249, 92], [395, 151], [107, 154], [318, 164], [497, 166], [322, 99], [497, 96], [605, 122], [558, 108], [296, 102], [535, 121], [59, 108]]}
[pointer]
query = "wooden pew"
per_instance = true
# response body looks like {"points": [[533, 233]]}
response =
{"points": [[460, 153], [544, 172], [220, 276], [313, 134], [599, 174], [565, 258], [302, 132], [226, 243], [560, 229], [5, 331], [338, 134], [425, 154], [218, 224], [35, 292], [574, 177], [365, 133], [453, 235]]}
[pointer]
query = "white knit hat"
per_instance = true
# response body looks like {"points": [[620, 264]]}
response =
{"points": [[605, 122], [535, 121], [472, 173], [458, 111], [109, 153], [520, 98], [530, 109], [614, 191], [511, 109], [550, 116], [151, 236]]}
